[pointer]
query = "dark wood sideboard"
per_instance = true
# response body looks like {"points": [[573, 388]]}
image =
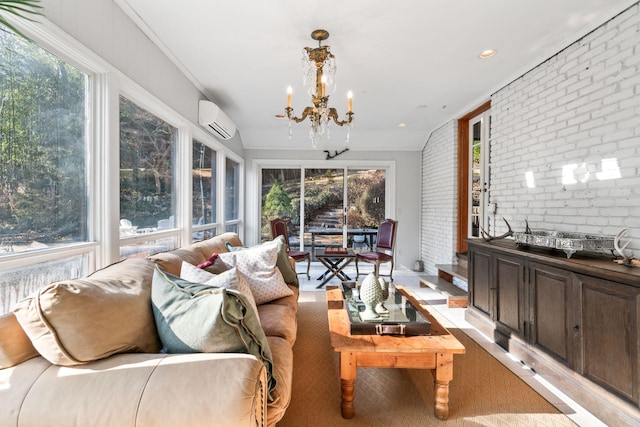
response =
{"points": [[575, 321]]}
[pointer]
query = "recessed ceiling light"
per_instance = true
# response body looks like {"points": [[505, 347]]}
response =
{"points": [[402, 125], [487, 54]]}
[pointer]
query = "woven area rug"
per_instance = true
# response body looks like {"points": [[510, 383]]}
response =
{"points": [[483, 392]]}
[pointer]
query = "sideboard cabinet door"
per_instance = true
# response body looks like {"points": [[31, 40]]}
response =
{"points": [[480, 292], [611, 335], [510, 295], [554, 309]]}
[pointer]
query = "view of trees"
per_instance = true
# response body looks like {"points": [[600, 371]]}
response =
{"points": [[42, 144], [146, 166], [323, 193], [43, 176], [204, 188]]}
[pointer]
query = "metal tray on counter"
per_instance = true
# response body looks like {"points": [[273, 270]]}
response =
{"points": [[570, 243]]}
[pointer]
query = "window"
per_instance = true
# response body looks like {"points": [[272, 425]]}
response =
{"points": [[323, 205], [43, 185], [58, 204], [281, 199], [204, 170], [232, 196], [325, 198], [147, 196], [44, 200]]}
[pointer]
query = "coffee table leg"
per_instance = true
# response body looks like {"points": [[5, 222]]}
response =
{"points": [[443, 374], [347, 382]]}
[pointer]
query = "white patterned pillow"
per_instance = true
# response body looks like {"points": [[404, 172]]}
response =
{"points": [[230, 279], [258, 265]]}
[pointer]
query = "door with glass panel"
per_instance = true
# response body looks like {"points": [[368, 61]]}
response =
{"points": [[324, 201], [335, 212], [366, 206], [479, 128], [280, 194]]}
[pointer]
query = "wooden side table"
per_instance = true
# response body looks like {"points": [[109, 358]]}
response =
{"points": [[335, 263]]}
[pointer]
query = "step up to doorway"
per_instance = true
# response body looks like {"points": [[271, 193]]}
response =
{"points": [[449, 271], [456, 297]]}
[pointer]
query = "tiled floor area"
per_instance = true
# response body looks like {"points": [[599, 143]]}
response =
{"points": [[411, 281]]}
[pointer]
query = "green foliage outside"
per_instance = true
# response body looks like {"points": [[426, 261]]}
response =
{"points": [[146, 158], [42, 143], [277, 203], [43, 150], [323, 192]]}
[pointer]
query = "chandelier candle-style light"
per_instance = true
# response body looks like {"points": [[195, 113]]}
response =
{"points": [[319, 68]]}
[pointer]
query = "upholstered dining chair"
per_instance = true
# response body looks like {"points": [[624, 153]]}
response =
{"points": [[384, 251], [279, 227]]}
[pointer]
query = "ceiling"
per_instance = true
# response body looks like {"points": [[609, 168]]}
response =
{"points": [[411, 61]]}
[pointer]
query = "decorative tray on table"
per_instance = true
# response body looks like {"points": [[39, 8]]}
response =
{"points": [[403, 318], [570, 243]]}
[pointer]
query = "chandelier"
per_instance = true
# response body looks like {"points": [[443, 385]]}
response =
{"points": [[319, 68]]}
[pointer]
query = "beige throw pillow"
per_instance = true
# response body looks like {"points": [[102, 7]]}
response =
{"points": [[15, 346], [77, 321], [258, 265]]}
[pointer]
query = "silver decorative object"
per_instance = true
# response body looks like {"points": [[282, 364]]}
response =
{"points": [[570, 243]]}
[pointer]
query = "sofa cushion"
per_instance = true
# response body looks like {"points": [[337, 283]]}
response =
{"points": [[15, 346], [283, 372], [192, 317], [77, 321], [278, 321], [171, 261], [258, 265], [216, 244], [288, 273], [16, 384], [135, 389], [290, 301], [229, 279]]}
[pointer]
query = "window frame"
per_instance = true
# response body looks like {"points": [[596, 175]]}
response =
{"points": [[106, 84], [462, 222], [254, 220]]}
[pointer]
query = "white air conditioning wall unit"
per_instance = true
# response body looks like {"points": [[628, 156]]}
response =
{"points": [[215, 120]]}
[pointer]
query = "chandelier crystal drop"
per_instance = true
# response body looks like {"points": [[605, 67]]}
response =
{"points": [[318, 74]]}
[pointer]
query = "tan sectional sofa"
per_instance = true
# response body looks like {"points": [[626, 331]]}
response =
{"points": [[109, 369]]}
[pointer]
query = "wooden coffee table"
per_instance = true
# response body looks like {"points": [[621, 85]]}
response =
{"points": [[433, 352]]}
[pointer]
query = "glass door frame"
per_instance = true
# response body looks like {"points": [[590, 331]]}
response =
{"points": [[462, 224], [255, 175], [483, 170]]}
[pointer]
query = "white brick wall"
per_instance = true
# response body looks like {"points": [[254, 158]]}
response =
{"points": [[439, 187], [579, 107]]}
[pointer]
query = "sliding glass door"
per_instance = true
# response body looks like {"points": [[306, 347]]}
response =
{"points": [[323, 207], [280, 196], [336, 211]]}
